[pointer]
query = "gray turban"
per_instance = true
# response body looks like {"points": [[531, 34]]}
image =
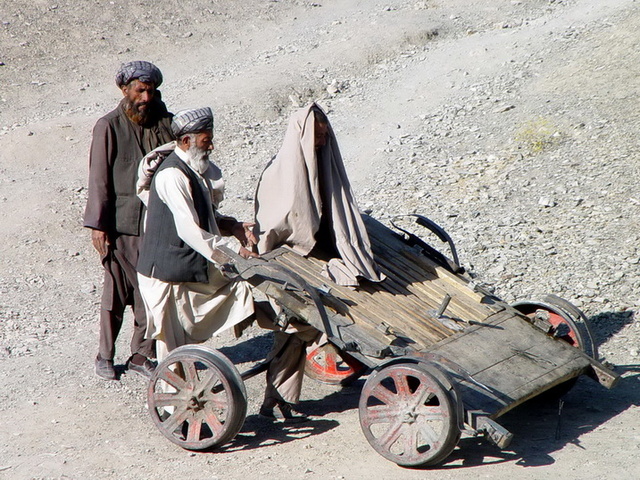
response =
{"points": [[138, 70], [192, 121]]}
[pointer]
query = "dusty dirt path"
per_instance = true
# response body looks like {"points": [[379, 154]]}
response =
{"points": [[389, 72]]}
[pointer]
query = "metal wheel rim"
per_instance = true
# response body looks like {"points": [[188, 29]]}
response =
{"points": [[196, 398], [563, 312], [579, 335], [408, 416], [580, 321], [327, 364]]}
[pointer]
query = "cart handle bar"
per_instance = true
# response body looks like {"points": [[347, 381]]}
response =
{"points": [[434, 228]]}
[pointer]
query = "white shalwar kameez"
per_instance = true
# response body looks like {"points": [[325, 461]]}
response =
{"points": [[191, 312]]}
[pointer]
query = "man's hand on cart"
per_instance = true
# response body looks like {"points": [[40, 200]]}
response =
{"points": [[246, 253], [243, 231]]}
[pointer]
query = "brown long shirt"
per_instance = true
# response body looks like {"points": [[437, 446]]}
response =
{"points": [[117, 146]]}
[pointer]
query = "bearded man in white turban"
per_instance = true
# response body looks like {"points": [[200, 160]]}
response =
{"points": [[187, 298]]}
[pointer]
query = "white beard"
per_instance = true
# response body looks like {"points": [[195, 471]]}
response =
{"points": [[198, 158]]}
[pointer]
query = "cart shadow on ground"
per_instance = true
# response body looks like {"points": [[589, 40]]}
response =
{"points": [[259, 432], [544, 425], [547, 424], [606, 325]]}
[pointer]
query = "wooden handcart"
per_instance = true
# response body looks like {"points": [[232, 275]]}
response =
{"points": [[443, 355]]}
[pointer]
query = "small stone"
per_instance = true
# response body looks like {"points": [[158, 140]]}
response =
{"points": [[504, 109], [332, 89], [546, 202]]}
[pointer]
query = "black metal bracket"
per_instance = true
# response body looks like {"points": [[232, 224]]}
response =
{"points": [[496, 433], [452, 264]]}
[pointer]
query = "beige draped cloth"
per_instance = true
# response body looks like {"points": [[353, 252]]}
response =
{"points": [[289, 202], [147, 169]]}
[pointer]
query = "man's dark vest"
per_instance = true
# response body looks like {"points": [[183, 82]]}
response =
{"points": [[132, 142], [163, 254]]}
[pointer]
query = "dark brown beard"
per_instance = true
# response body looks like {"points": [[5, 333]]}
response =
{"points": [[135, 114]]}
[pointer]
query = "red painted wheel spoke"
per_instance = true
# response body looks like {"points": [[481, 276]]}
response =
{"points": [[167, 399], [176, 419], [218, 401], [422, 395], [429, 434], [208, 383], [190, 372], [331, 363], [382, 414], [410, 443], [402, 385], [429, 412], [384, 395], [173, 379], [391, 436], [213, 422], [193, 434]]}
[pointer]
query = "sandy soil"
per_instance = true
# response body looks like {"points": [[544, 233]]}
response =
{"points": [[487, 115]]}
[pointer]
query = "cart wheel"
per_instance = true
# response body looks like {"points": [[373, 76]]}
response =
{"points": [[563, 312], [578, 333], [408, 416], [580, 323], [327, 364], [196, 398]]}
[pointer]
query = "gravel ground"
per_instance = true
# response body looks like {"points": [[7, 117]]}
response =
{"points": [[513, 124]]}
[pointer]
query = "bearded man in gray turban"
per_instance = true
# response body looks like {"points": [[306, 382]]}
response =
{"points": [[113, 212], [187, 297]]}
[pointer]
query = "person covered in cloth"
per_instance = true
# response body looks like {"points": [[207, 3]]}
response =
{"points": [[187, 297], [138, 125], [304, 200]]}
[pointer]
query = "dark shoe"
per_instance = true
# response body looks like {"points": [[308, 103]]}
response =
{"points": [[104, 369], [283, 412], [146, 369]]}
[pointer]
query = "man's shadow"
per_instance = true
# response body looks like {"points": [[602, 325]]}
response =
{"points": [[259, 432]]}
